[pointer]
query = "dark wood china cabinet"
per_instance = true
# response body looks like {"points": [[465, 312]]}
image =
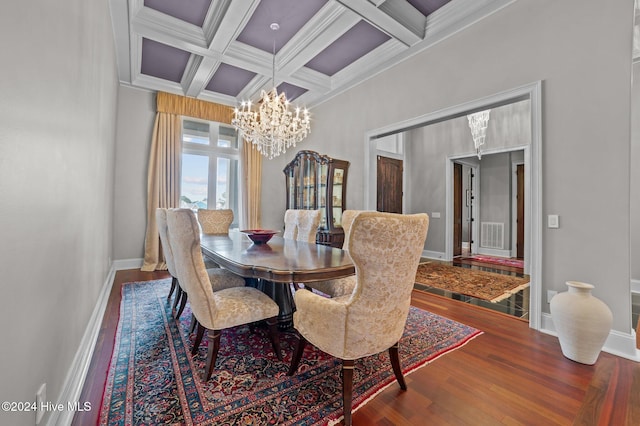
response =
{"points": [[319, 182]]}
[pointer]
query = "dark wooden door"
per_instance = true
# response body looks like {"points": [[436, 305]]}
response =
{"points": [[520, 209], [457, 209], [389, 186]]}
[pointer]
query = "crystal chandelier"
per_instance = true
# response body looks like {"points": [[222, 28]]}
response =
{"points": [[273, 128], [478, 124]]}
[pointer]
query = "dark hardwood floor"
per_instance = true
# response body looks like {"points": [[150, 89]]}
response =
{"points": [[509, 375]]}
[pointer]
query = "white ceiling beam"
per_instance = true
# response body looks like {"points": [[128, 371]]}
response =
{"points": [[224, 22], [407, 15], [384, 22], [329, 24]]}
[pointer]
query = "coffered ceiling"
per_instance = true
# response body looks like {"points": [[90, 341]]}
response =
{"points": [[223, 50]]}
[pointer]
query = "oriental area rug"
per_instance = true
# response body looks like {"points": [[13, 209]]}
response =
{"points": [[483, 285], [153, 379], [503, 261]]}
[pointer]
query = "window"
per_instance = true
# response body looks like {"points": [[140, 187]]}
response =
{"points": [[210, 166]]}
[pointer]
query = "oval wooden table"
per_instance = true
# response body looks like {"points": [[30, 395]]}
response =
{"points": [[277, 264]]}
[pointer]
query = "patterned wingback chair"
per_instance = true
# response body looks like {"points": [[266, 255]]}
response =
{"points": [[385, 249], [214, 311], [215, 221], [347, 220], [308, 221], [290, 224], [339, 286]]}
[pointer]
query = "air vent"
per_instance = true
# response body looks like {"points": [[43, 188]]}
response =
{"points": [[492, 235]]}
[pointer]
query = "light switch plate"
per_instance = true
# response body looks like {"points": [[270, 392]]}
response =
{"points": [[435, 215], [553, 221]]}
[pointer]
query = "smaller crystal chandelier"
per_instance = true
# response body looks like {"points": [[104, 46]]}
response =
{"points": [[478, 124], [273, 128]]}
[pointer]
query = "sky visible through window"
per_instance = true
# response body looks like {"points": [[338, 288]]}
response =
{"points": [[195, 172]]}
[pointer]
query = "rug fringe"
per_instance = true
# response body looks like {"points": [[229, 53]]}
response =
{"points": [[509, 293]]}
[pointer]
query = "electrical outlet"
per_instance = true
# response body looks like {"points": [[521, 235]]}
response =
{"points": [[41, 398]]}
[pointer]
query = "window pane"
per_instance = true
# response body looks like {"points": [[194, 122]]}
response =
{"points": [[222, 184], [195, 172], [195, 132], [228, 137]]}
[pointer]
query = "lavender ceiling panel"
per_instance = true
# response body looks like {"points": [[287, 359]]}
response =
{"points": [[291, 91], [291, 15], [192, 11], [162, 61], [427, 7], [361, 39], [229, 80]]}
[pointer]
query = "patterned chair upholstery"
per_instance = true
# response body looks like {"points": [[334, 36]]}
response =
{"points": [[215, 221], [341, 286], [301, 225], [307, 225], [219, 278], [290, 224], [385, 249], [214, 311]]}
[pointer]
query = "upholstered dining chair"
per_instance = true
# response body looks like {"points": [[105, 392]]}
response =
{"points": [[290, 224], [161, 220], [307, 225], [340, 286], [214, 222], [385, 249], [219, 278], [219, 310]]}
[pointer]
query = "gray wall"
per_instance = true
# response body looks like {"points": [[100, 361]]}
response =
{"points": [[58, 89], [136, 116], [635, 175], [586, 74]]}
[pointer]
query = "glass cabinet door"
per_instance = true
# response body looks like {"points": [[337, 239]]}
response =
{"points": [[308, 184], [322, 195], [337, 193]]}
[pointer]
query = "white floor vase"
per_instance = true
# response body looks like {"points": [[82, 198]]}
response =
{"points": [[582, 322]]}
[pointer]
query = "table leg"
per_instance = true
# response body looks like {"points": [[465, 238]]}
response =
{"points": [[281, 294]]}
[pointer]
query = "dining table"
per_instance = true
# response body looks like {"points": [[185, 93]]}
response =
{"points": [[274, 265]]}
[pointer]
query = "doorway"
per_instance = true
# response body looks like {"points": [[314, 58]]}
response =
{"points": [[465, 206], [389, 185], [420, 180]]}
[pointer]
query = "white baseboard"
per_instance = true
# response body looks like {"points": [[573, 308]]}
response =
{"points": [[438, 255], [122, 264], [74, 381], [494, 252], [618, 343]]}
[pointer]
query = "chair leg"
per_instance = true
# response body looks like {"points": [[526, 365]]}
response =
{"points": [[274, 336], [347, 389], [183, 302], [174, 284], [198, 339], [212, 353], [194, 323], [297, 355], [395, 363], [177, 299]]}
